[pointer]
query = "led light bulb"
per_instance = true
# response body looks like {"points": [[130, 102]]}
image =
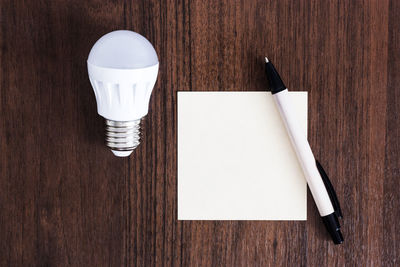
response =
{"points": [[123, 68]]}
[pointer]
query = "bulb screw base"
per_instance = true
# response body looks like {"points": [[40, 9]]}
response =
{"points": [[122, 137]]}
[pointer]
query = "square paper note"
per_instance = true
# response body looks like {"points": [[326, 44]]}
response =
{"points": [[235, 159]]}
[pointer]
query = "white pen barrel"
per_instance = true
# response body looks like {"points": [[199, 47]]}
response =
{"points": [[304, 153]]}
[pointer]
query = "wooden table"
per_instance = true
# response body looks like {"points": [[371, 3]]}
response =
{"points": [[66, 200]]}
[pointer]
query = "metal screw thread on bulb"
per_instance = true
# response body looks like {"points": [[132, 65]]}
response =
{"points": [[122, 135]]}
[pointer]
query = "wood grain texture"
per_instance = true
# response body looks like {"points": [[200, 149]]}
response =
{"points": [[65, 200]]}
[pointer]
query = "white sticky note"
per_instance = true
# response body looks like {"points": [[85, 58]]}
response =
{"points": [[235, 159]]}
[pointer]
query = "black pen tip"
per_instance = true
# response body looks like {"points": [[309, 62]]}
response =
{"points": [[275, 82], [332, 225], [337, 237]]}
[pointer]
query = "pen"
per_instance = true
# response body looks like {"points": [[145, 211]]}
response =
{"points": [[321, 188]]}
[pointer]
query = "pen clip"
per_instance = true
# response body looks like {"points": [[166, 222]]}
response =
{"points": [[331, 190]]}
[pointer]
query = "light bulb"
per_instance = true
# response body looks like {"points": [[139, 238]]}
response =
{"points": [[123, 68]]}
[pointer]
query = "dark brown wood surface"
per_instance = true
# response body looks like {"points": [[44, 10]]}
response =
{"points": [[65, 200]]}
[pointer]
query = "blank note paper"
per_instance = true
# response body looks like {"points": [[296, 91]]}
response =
{"points": [[235, 159]]}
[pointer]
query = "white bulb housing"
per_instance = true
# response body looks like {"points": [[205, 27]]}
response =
{"points": [[123, 68]]}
